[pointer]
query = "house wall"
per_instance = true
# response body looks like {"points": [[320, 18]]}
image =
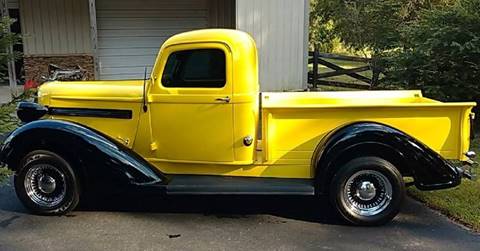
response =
{"points": [[280, 29], [55, 31], [55, 27]]}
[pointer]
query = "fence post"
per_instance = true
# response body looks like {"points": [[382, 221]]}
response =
{"points": [[315, 67], [375, 73]]}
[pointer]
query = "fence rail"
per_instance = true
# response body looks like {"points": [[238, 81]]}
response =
{"points": [[316, 78]]}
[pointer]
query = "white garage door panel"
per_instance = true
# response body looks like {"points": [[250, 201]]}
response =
{"points": [[153, 13], [139, 33], [130, 33], [149, 23], [129, 52], [131, 42], [132, 70], [151, 4], [125, 61]]}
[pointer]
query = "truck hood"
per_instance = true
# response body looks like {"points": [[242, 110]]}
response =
{"points": [[111, 107], [128, 91]]}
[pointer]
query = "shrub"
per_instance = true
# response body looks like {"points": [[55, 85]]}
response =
{"points": [[440, 54]]}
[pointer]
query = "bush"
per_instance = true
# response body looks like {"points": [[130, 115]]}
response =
{"points": [[440, 54], [368, 25], [8, 120]]}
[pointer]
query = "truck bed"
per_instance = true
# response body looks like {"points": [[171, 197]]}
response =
{"points": [[294, 123]]}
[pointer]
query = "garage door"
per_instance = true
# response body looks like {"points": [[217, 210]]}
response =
{"points": [[130, 33]]}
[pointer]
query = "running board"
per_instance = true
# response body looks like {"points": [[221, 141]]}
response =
{"points": [[199, 184]]}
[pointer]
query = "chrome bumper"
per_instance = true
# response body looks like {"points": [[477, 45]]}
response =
{"points": [[468, 170]]}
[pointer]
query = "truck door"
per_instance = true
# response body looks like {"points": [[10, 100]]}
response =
{"points": [[191, 113]]}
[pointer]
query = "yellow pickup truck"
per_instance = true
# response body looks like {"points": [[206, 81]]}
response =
{"points": [[198, 125]]}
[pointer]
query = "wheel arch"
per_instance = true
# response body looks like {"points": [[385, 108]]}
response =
{"points": [[411, 157], [27, 141], [50, 144], [98, 159]]}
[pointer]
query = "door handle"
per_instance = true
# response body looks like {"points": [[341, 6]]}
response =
{"points": [[225, 99]]}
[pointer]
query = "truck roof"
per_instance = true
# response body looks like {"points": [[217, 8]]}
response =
{"points": [[228, 36], [241, 46]]}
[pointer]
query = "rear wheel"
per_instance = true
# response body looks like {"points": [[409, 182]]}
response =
{"points": [[367, 191], [46, 184]]}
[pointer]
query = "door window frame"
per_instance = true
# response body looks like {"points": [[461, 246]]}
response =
{"points": [[226, 89], [215, 54]]}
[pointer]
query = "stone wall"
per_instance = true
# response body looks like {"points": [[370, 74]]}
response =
{"points": [[37, 66]]}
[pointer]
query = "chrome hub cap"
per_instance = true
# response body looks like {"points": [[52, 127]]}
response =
{"points": [[367, 193], [45, 185]]}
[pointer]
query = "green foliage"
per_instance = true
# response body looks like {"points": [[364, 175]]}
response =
{"points": [[431, 45], [364, 25], [8, 122], [7, 39], [321, 28], [4, 174], [360, 25], [440, 53], [369, 24]]}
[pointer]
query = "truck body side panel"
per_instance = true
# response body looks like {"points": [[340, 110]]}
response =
{"points": [[293, 126]]}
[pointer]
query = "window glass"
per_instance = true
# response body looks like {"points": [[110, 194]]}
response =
{"points": [[195, 68]]}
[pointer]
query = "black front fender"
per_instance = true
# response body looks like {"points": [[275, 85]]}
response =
{"points": [[429, 170], [100, 160]]}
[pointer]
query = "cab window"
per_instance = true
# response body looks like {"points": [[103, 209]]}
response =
{"points": [[202, 68]]}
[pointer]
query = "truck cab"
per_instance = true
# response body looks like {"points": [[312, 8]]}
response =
{"points": [[203, 100]]}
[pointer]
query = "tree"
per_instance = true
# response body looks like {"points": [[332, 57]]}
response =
{"points": [[321, 27], [7, 39], [440, 53], [365, 25]]}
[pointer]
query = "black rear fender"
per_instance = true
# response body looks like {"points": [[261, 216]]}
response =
{"points": [[411, 157]]}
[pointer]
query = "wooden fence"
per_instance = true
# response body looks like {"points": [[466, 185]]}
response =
{"points": [[316, 78]]}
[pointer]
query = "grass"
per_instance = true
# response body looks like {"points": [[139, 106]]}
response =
{"points": [[461, 203]]}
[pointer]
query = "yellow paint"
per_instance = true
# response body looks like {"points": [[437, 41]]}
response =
{"points": [[185, 131], [98, 94]]}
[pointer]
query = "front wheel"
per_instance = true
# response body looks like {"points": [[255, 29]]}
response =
{"points": [[46, 184], [367, 191]]}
